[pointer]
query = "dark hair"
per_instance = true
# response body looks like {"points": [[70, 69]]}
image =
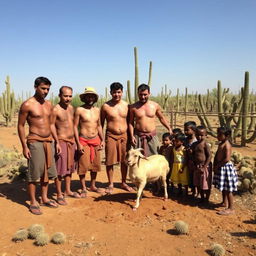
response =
{"points": [[190, 124], [143, 87], [167, 135], [176, 131], [180, 136], [42, 80], [200, 127], [64, 86], [116, 86], [224, 130]]}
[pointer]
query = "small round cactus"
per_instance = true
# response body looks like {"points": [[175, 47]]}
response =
{"points": [[58, 238], [217, 250], [181, 227], [35, 230], [246, 184], [42, 239], [20, 235]]}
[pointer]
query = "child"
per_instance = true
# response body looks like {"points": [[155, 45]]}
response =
{"points": [[202, 158], [225, 176], [190, 132], [165, 150], [179, 173]]}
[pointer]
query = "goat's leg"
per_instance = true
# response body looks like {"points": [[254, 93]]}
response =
{"points": [[165, 187], [139, 192]]}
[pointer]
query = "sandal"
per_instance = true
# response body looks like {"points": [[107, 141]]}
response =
{"points": [[35, 209], [127, 188], [73, 195], [50, 204], [226, 212], [83, 194], [109, 190], [97, 190], [61, 201]]}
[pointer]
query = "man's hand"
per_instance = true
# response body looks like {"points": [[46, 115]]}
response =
{"points": [[80, 148], [134, 141], [102, 145], [181, 170], [26, 153], [58, 148]]}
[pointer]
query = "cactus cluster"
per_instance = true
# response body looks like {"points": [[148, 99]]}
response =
{"points": [[232, 112], [37, 233], [12, 164], [7, 103], [246, 170]]}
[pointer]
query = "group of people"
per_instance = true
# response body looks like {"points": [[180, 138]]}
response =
{"points": [[189, 156], [62, 140]]}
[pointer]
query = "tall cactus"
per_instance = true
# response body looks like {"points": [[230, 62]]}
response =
{"points": [[150, 73], [178, 100], [245, 108], [7, 102], [129, 96], [136, 79]]}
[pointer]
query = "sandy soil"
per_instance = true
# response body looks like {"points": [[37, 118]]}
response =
{"points": [[107, 225]]}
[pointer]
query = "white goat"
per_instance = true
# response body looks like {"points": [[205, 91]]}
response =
{"points": [[146, 169]]}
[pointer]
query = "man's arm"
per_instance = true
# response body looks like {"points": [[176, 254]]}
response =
{"points": [[76, 123], [162, 119], [100, 133], [23, 114], [131, 124], [102, 115], [53, 129]]}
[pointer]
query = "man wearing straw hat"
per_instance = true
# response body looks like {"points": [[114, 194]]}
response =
{"points": [[89, 139]]}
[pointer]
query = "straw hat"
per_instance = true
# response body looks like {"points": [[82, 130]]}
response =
{"points": [[89, 90]]}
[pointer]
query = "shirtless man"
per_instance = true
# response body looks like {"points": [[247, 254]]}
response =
{"points": [[143, 113], [63, 130], [38, 147], [115, 112], [201, 155], [89, 140]]}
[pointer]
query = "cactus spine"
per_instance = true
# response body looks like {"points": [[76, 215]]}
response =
{"points": [[7, 103]]}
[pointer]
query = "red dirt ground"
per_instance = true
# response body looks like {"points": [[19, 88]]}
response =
{"points": [[106, 225]]}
